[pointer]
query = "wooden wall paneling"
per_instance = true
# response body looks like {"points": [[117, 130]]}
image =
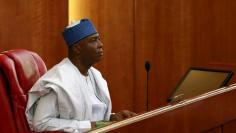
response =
{"points": [[214, 31], [197, 117], [162, 36], [214, 130], [229, 127], [34, 25], [224, 42], [114, 22], [175, 35], [79, 9], [117, 29], [204, 23]]}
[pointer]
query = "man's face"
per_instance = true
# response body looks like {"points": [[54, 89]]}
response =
{"points": [[91, 49]]}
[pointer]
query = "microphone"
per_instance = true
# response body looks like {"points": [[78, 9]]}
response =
{"points": [[147, 68]]}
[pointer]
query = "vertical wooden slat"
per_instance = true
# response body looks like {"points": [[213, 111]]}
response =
{"points": [[35, 25]]}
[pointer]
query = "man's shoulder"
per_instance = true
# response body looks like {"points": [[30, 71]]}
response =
{"points": [[58, 71], [58, 76], [95, 70]]}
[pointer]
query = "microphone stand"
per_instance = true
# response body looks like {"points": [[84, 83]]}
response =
{"points": [[147, 68]]}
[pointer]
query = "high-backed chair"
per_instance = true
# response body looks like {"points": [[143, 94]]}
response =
{"points": [[19, 70], [22, 69], [7, 123]]}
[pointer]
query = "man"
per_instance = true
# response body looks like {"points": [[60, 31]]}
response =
{"points": [[73, 96]]}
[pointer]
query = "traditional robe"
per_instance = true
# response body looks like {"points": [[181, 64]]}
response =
{"points": [[74, 105]]}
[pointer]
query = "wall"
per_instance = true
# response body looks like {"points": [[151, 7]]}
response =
{"points": [[35, 25]]}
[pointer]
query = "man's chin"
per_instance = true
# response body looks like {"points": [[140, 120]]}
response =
{"points": [[98, 59]]}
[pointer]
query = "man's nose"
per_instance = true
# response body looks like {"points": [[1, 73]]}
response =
{"points": [[100, 44]]}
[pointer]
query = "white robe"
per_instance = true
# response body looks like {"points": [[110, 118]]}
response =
{"points": [[73, 104]]}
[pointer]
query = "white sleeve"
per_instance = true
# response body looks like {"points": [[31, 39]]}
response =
{"points": [[46, 117]]}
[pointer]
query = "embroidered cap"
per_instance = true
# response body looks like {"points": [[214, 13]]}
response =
{"points": [[78, 31]]}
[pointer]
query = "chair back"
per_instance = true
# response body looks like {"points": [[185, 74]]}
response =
{"points": [[20, 69]]}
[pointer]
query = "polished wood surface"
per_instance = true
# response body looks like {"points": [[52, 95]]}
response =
{"points": [[163, 37], [194, 115], [34, 25], [214, 130], [174, 35], [230, 127]]}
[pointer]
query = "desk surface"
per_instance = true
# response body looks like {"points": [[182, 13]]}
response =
{"points": [[169, 108]]}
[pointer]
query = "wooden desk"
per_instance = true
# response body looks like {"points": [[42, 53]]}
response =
{"points": [[194, 115]]}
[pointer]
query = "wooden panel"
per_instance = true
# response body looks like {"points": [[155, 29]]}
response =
{"points": [[174, 35], [34, 25], [189, 119], [116, 26], [200, 114], [114, 21], [163, 36], [230, 127], [214, 130], [214, 31]]}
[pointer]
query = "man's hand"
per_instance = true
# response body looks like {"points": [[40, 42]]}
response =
{"points": [[122, 115], [93, 125], [99, 124]]}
